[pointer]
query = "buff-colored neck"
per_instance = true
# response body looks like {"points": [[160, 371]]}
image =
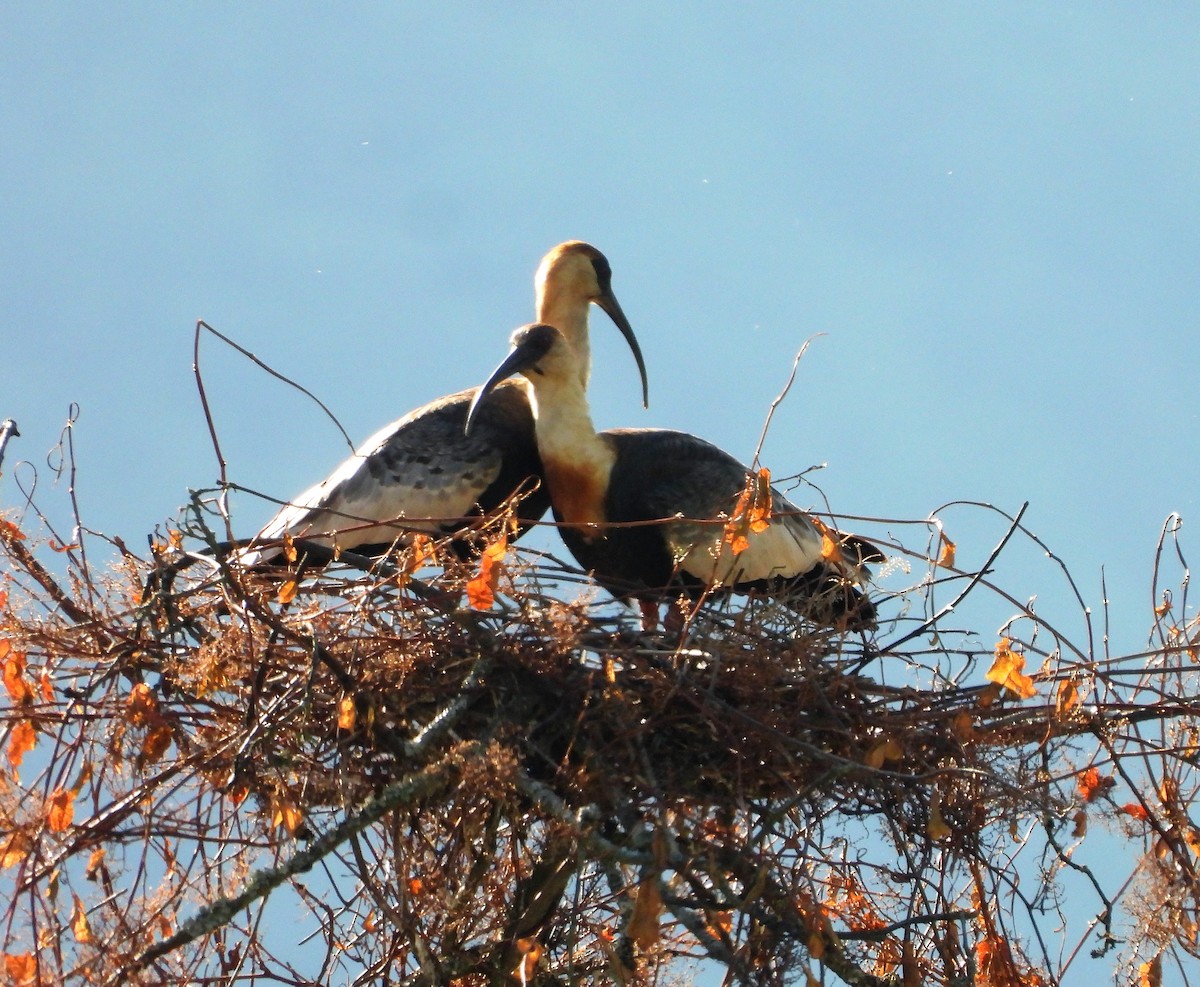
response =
{"points": [[564, 420], [577, 461], [567, 311]]}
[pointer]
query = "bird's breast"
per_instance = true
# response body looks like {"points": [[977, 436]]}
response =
{"points": [[577, 491]]}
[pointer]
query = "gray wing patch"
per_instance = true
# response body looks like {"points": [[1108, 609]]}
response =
{"points": [[421, 466]]}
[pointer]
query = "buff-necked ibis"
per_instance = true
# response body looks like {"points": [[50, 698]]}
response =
{"points": [[604, 485], [424, 472]]}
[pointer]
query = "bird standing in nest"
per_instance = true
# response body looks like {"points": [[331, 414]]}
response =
{"points": [[605, 488], [424, 473]]}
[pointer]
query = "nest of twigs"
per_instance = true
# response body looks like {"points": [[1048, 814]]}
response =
{"points": [[533, 791]]}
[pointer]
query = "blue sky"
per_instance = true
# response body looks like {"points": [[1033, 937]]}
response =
{"points": [[989, 211]]}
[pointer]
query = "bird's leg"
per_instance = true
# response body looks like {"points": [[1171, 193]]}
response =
{"points": [[649, 610], [678, 612]]}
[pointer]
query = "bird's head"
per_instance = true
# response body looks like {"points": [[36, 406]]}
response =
{"points": [[540, 353], [570, 277]]}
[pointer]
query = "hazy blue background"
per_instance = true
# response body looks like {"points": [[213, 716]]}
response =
{"points": [[990, 211]]}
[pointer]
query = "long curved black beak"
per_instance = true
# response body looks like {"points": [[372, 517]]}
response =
{"points": [[529, 346], [608, 302]]}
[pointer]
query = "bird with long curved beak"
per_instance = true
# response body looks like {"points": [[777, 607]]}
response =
{"points": [[606, 486], [423, 473]]}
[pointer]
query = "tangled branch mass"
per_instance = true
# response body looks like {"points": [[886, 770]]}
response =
{"points": [[341, 774]]}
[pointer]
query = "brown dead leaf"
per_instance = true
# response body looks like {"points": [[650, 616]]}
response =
{"points": [[644, 922], [963, 727], [1067, 698], [936, 827], [142, 706], [95, 862], [885, 750], [287, 592], [157, 741]]}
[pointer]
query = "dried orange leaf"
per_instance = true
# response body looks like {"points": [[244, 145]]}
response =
{"points": [[719, 924], [752, 512], [47, 686], [289, 548], [1163, 608], [19, 968], [79, 922], [1080, 829], [20, 742], [481, 589], [347, 714], [421, 550], [10, 531], [1150, 974], [1137, 811], [531, 951], [1092, 784], [735, 536], [14, 849], [61, 810], [415, 884], [93, 864], [1007, 671], [287, 592], [831, 549], [288, 816], [760, 506], [948, 551], [19, 689]]}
